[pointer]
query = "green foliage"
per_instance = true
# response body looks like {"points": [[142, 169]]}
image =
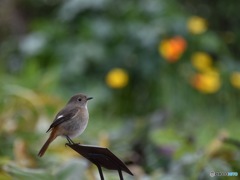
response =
{"points": [[168, 118]]}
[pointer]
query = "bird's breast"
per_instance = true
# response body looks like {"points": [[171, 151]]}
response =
{"points": [[75, 126]]}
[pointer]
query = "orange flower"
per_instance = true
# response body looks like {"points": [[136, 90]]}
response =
{"points": [[173, 48]]}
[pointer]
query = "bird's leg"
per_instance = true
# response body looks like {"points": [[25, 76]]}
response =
{"points": [[69, 140]]}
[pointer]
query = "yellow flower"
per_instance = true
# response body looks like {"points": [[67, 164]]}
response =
{"points": [[117, 78], [235, 79], [197, 25], [201, 61], [208, 82]]}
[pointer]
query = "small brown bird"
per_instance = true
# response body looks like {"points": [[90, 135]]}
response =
{"points": [[70, 122]]}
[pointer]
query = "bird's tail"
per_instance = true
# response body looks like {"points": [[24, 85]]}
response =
{"points": [[45, 146]]}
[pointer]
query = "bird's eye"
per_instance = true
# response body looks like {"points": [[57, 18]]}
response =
{"points": [[79, 99]]}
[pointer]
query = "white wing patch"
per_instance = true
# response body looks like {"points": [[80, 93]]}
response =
{"points": [[60, 116]]}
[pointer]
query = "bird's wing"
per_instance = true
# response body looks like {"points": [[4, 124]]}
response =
{"points": [[64, 115]]}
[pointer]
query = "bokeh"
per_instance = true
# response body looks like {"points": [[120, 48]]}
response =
{"points": [[165, 77]]}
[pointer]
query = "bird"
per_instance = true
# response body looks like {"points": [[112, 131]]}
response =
{"points": [[69, 122]]}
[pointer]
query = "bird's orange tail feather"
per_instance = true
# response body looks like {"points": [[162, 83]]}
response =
{"points": [[45, 146]]}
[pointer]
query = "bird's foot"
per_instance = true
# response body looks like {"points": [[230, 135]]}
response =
{"points": [[69, 140]]}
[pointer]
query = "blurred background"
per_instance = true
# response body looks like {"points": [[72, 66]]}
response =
{"points": [[165, 77]]}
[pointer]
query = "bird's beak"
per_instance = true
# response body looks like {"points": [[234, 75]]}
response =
{"points": [[89, 98]]}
